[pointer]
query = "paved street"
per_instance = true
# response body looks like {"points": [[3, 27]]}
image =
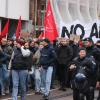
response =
{"points": [[55, 95]]}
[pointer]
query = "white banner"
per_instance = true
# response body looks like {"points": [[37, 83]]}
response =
{"points": [[84, 30], [79, 17]]}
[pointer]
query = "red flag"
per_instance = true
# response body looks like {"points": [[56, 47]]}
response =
{"points": [[18, 28], [4, 32], [50, 30], [41, 36]]}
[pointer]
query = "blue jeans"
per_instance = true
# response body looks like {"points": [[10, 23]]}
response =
{"points": [[19, 77], [46, 76], [4, 77], [1, 80], [37, 80]]}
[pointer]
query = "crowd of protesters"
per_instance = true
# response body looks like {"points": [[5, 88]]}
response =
{"points": [[38, 62]]}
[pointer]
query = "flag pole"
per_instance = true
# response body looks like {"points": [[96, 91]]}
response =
{"points": [[6, 36], [7, 32]]}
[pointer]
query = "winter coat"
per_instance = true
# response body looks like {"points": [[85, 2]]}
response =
{"points": [[3, 58], [36, 57], [47, 56], [64, 54], [89, 66], [75, 49], [20, 62], [93, 51], [97, 57], [7, 49]]}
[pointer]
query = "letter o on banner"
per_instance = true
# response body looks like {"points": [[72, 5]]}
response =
{"points": [[82, 29]]}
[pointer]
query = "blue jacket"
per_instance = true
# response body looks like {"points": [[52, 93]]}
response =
{"points": [[48, 56], [3, 58]]}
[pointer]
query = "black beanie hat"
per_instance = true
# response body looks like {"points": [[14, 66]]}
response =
{"points": [[82, 49], [88, 39], [46, 40]]}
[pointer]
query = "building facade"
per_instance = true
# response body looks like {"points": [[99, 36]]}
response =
{"points": [[13, 9], [32, 13], [37, 13]]}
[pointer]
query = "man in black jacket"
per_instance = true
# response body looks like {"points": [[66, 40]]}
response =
{"points": [[93, 51], [3, 76], [98, 64], [64, 56], [21, 63], [83, 70], [46, 62]]}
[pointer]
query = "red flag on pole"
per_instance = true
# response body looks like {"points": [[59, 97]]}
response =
{"points": [[18, 28], [4, 32], [50, 30], [41, 36]]}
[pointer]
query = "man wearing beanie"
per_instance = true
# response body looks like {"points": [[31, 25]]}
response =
{"points": [[94, 52], [46, 62], [98, 64], [82, 69]]}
